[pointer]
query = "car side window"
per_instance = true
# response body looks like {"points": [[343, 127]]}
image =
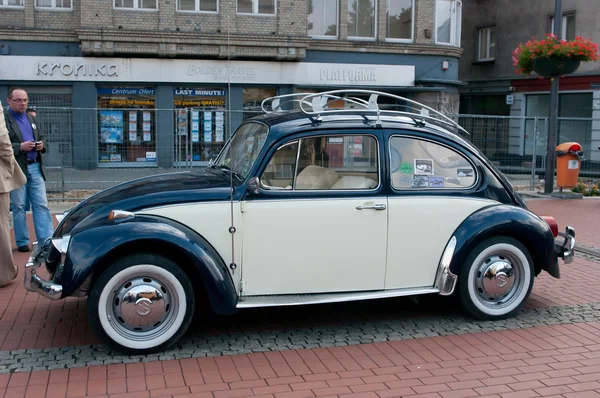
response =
{"points": [[422, 164], [337, 162]]}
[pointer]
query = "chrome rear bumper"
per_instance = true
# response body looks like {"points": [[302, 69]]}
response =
{"points": [[566, 250], [34, 283]]}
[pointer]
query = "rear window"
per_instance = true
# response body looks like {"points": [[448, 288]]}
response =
{"points": [[418, 164]]}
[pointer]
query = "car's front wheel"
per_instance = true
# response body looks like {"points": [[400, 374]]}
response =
{"points": [[142, 303], [496, 278]]}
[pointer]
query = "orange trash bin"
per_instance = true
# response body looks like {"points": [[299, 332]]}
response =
{"points": [[569, 156]]}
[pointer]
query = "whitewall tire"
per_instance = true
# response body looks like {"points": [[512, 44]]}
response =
{"points": [[496, 279], [142, 303]]}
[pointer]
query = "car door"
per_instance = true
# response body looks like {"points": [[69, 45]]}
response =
{"points": [[428, 200], [319, 223]]}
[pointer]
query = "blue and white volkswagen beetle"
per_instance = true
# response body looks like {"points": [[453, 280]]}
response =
{"points": [[334, 200]]}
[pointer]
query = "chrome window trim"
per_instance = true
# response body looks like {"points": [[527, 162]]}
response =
{"points": [[429, 189], [299, 140]]}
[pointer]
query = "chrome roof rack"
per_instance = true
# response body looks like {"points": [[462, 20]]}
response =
{"points": [[322, 103]]}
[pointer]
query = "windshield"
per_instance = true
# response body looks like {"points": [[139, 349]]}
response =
{"points": [[243, 148]]}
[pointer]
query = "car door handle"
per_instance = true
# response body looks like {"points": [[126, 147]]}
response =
{"points": [[372, 207]]}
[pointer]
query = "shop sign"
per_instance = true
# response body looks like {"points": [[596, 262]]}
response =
{"points": [[76, 69], [126, 91], [199, 92], [182, 71]]}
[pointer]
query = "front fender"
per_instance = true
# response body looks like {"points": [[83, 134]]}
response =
{"points": [[90, 248], [521, 224]]}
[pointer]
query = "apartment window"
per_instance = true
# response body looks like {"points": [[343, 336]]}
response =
{"points": [[11, 3], [197, 5], [258, 7], [323, 18], [447, 22], [487, 44], [400, 19], [56, 4], [362, 18], [137, 4], [568, 27]]}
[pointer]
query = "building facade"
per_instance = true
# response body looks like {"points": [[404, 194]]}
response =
{"points": [[491, 30], [153, 83]]}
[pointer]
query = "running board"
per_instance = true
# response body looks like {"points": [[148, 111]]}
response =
{"points": [[325, 298]]}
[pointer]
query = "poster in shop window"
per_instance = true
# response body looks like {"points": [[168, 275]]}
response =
{"points": [[195, 126], [207, 131], [111, 127], [219, 130], [147, 133]]}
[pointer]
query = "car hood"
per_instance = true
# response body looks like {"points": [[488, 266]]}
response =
{"points": [[202, 184]]}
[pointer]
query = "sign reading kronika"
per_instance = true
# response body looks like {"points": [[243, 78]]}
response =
{"points": [[77, 69]]}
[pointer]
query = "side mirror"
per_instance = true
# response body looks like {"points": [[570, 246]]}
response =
{"points": [[210, 162], [254, 185]]}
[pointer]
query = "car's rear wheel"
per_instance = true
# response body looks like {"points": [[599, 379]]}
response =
{"points": [[496, 278], [142, 303]]}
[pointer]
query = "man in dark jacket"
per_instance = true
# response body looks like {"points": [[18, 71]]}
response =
{"points": [[28, 145]]}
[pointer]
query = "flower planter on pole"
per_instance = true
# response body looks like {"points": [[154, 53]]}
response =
{"points": [[555, 66]]}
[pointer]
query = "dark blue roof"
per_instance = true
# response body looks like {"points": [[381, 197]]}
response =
{"points": [[282, 124]]}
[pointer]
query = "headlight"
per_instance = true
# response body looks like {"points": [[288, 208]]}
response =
{"points": [[62, 244]]}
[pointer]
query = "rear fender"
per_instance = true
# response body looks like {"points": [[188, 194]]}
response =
{"points": [[92, 250], [505, 220]]}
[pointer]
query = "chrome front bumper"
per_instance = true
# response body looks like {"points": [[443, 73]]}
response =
{"points": [[34, 283], [566, 250]]}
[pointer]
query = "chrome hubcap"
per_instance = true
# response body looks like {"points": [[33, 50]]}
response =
{"points": [[498, 280], [142, 307]]}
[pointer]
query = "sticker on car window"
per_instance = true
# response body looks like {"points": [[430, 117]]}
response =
{"points": [[464, 172], [424, 166], [436, 182], [406, 168], [420, 181]]}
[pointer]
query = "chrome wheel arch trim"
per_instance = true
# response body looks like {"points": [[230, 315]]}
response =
{"points": [[445, 280]]}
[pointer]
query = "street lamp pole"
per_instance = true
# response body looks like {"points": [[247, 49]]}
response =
{"points": [[553, 123]]}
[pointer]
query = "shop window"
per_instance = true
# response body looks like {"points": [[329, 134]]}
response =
{"points": [[259, 7], [197, 5], [201, 119], [137, 4], [253, 98], [362, 18], [448, 22], [325, 163], [11, 3], [54, 4], [487, 44], [400, 19], [419, 164], [323, 18], [126, 125]]}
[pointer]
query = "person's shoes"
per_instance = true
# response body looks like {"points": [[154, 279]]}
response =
{"points": [[23, 249]]}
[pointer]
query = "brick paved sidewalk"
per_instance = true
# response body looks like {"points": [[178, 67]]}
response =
{"points": [[550, 361], [581, 214]]}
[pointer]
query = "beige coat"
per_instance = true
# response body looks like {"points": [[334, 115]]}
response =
{"points": [[11, 177]]}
